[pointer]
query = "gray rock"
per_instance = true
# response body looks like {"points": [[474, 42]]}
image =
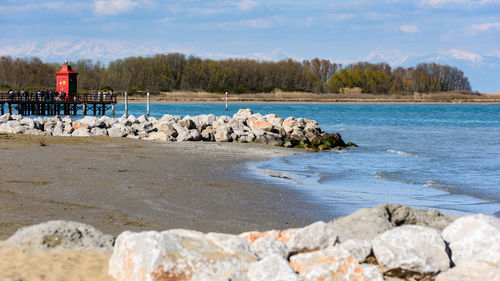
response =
{"points": [[413, 248], [270, 139], [475, 237], [367, 223], [187, 123], [359, 249], [117, 131], [99, 131], [165, 127], [316, 236], [53, 236], [265, 247], [272, 268]]}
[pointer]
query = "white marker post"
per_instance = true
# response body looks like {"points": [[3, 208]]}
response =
{"points": [[147, 113], [227, 107], [126, 104]]}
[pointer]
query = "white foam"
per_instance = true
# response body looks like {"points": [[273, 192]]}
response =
{"points": [[404, 153]]}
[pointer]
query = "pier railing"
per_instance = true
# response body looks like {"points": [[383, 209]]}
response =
{"points": [[56, 104], [18, 98]]}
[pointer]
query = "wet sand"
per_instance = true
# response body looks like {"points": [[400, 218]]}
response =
{"points": [[125, 184]]}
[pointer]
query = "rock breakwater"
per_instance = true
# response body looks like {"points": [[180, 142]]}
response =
{"points": [[244, 127], [422, 245]]}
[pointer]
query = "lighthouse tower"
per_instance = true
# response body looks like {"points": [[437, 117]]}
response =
{"points": [[66, 79]]}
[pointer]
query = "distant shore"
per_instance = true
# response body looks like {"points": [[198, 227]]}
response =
{"points": [[301, 97]]}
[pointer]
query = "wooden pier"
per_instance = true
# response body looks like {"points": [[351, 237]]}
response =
{"points": [[32, 104]]}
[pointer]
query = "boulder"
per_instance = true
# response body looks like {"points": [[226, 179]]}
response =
{"points": [[269, 138], [367, 223], [223, 134], [265, 247], [179, 255], [477, 270], [243, 114], [160, 136], [411, 248], [371, 272], [99, 131], [189, 135], [309, 238], [167, 128], [82, 132], [4, 118], [261, 124], [117, 131], [333, 263], [187, 123], [272, 268], [359, 249], [53, 236], [475, 237]]}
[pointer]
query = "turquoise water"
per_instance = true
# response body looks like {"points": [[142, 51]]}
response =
{"points": [[431, 156]]}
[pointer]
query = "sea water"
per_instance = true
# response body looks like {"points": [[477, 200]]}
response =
{"points": [[429, 156]]}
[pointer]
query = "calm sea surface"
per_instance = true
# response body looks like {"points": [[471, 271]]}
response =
{"points": [[431, 156]]}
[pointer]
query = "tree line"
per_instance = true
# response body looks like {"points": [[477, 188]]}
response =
{"points": [[172, 72]]}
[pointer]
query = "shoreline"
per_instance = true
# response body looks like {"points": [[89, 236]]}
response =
{"points": [[124, 184], [237, 102]]}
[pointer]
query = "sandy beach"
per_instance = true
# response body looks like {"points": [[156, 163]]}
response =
{"points": [[125, 184]]}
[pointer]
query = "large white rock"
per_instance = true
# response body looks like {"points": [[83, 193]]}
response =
{"points": [[272, 268], [82, 132], [359, 249], [333, 263], [472, 271], [179, 255], [117, 130], [265, 246], [166, 127], [96, 131], [475, 237], [411, 247], [309, 238], [371, 272]]}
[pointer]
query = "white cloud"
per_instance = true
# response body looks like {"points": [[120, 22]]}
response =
{"points": [[464, 55], [439, 3], [409, 28], [246, 5], [482, 27], [113, 7]]}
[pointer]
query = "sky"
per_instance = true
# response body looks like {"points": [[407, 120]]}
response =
{"points": [[462, 33]]}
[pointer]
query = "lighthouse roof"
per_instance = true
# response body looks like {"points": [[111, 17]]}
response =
{"points": [[66, 69]]}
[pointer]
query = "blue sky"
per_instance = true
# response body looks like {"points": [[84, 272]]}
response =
{"points": [[465, 33]]}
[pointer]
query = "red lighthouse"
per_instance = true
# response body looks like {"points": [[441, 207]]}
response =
{"points": [[66, 79]]}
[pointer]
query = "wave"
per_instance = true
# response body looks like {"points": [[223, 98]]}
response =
{"points": [[405, 153], [391, 176]]}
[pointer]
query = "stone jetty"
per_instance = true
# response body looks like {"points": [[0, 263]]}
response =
{"points": [[388, 242], [244, 127]]}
